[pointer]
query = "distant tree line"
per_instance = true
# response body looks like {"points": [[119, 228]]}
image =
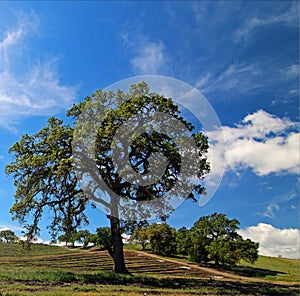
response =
{"points": [[212, 238]]}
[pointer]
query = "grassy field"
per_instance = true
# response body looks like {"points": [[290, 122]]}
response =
{"points": [[270, 268], [49, 270], [266, 268]]}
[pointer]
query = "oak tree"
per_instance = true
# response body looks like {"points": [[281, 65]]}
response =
{"points": [[8, 236], [47, 176], [162, 238], [214, 237]]}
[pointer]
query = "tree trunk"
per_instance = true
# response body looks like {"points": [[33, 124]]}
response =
{"points": [[117, 246], [217, 260]]}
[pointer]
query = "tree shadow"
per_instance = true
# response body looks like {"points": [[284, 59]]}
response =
{"points": [[223, 287], [249, 271]]}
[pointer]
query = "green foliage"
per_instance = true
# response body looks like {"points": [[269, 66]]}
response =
{"points": [[101, 238], [45, 180], [215, 237], [219, 250], [24, 245], [8, 236], [68, 238], [140, 236], [82, 237], [134, 106], [162, 239], [182, 240], [104, 238], [93, 239], [131, 226], [246, 250]]}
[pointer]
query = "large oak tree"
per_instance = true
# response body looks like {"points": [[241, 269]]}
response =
{"points": [[46, 175]]}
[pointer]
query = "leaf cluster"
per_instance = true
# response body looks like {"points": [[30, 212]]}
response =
{"points": [[45, 180]]}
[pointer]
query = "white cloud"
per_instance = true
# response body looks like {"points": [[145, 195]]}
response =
{"points": [[271, 210], [28, 86], [291, 71], [11, 38], [288, 18], [279, 203], [263, 142], [11, 227], [274, 241], [242, 78], [150, 58]]}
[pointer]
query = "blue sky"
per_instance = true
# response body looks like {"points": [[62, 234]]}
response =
{"points": [[242, 56]]}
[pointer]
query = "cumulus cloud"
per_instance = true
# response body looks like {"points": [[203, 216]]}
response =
{"points": [[274, 241], [28, 86], [263, 142], [150, 58]]}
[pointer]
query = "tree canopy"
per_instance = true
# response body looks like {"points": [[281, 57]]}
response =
{"points": [[162, 238], [47, 175], [214, 237], [8, 236], [133, 200]]}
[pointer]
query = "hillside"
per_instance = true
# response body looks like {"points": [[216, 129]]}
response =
{"points": [[50, 270], [273, 268]]}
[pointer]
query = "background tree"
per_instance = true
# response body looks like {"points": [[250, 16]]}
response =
{"points": [[104, 239], [246, 250], [215, 237], [8, 236], [64, 238], [82, 237], [131, 226], [45, 177], [140, 236], [182, 241], [93, 239], [162, 239], [198, 240]]}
